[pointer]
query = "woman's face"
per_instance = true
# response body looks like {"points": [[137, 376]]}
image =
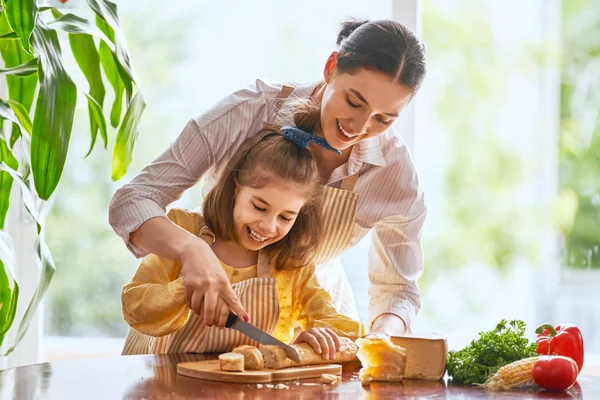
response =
{"points": [[359, 105], [263, 216]]}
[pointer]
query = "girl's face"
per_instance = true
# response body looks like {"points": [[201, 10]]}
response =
{"points": [[262, 216], [359, 105]]}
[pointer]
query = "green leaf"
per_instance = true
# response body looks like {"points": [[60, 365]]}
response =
{"points": [[15, 134], [37, 209], [10, 35], [125, 141], [25, 69], [20, 88], [22, 115], [86, 55], [98, 117], [21, 16], [7, 112], [46, 264], [84, 50], [6, 180], [53, 120], [112, 74], [8, 296], [107, 12], [108, 21], [73, 24]]}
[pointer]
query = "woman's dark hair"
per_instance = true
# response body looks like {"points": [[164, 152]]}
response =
{"points": [[386, 46], [383, 46]]}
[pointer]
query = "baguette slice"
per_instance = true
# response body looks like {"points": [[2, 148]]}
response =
{"points": [[231, 362], [253, 358], [276, 358]]}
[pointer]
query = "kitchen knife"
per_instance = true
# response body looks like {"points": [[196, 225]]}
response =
{"points": [[260, 336]]}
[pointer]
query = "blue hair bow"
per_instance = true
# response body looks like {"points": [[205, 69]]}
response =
{"points": [[302, 138]]}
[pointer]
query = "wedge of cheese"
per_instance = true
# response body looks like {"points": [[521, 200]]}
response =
{"points": [[425, 355], [381, 360]]}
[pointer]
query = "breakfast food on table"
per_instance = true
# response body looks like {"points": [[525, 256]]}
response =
{"points": [[276, 358], [555, 372], [493, 349], [425, 355], [504, 359], [562, 340], [253, 359], [515, 374], [381, 360], [231, 362], [330, 379]]}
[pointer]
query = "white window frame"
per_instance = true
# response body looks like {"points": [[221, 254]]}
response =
{"points": [[408, 12]]}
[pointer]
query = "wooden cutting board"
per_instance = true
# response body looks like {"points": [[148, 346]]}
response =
{"points": [[210, 370]]}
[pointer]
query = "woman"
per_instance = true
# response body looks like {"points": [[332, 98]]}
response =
{"points": [[372, 184]]}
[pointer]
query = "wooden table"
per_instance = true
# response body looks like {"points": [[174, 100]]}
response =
{"points": [[155, 377]]}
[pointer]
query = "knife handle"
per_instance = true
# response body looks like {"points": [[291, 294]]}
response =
{"points": [[231, 320]]}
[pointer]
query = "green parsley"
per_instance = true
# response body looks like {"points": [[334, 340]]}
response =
{"points": [[494, 349]]}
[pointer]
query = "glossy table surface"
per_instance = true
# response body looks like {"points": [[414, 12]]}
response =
{"points": [[155, 377]]}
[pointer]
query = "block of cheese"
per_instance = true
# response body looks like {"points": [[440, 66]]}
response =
{"points": [[253, 359], [425, 355], [231, 362], [381, 360], [276, 358]]}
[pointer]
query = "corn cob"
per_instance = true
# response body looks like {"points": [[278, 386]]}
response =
{"points": [[518, 373]]}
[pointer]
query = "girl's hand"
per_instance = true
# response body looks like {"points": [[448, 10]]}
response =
{"points": [[205, 282], [323, 340]]}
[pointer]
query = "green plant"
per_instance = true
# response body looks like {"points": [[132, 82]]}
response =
{"points": [[493, 349], [34, 151]]}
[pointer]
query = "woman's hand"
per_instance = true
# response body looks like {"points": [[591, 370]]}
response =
{"points": [[387, 325], [323, 340], [206, 283]]}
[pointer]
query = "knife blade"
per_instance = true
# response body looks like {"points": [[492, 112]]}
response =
{"points": [[260, 336]]}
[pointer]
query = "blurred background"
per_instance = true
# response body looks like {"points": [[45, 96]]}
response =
{"points": [[505, 136]]}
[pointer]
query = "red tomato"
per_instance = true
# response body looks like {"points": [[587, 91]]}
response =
{"points": [[555, 372]]}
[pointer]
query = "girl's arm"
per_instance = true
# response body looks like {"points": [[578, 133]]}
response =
{"points": [[154, 301], [319, 318]]}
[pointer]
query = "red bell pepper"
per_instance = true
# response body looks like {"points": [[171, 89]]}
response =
{"points": [[564, 340]]}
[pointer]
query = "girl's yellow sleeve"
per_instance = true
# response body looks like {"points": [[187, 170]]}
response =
{"points": [[154, 301], [317, 309]]}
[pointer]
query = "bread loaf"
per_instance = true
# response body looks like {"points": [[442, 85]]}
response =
{"points": [[276, 358], [253, 359], [231, 362]]}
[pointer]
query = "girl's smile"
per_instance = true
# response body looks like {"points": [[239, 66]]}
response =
{"points": [[263, 216]]}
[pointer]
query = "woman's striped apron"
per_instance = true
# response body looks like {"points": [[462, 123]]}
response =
{"points": [[338, 216], [259, 297]]}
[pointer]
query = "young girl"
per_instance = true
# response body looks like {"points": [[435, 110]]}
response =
{"points": [[262, 220]]}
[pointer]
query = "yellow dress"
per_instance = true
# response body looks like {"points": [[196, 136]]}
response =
{"points": [[154, 301]]}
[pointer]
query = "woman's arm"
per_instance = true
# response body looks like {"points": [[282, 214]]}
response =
{"points": [[137, 210], [396, 256]]}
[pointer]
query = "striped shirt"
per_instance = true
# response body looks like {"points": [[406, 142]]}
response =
{"points": [[391, 203]]}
